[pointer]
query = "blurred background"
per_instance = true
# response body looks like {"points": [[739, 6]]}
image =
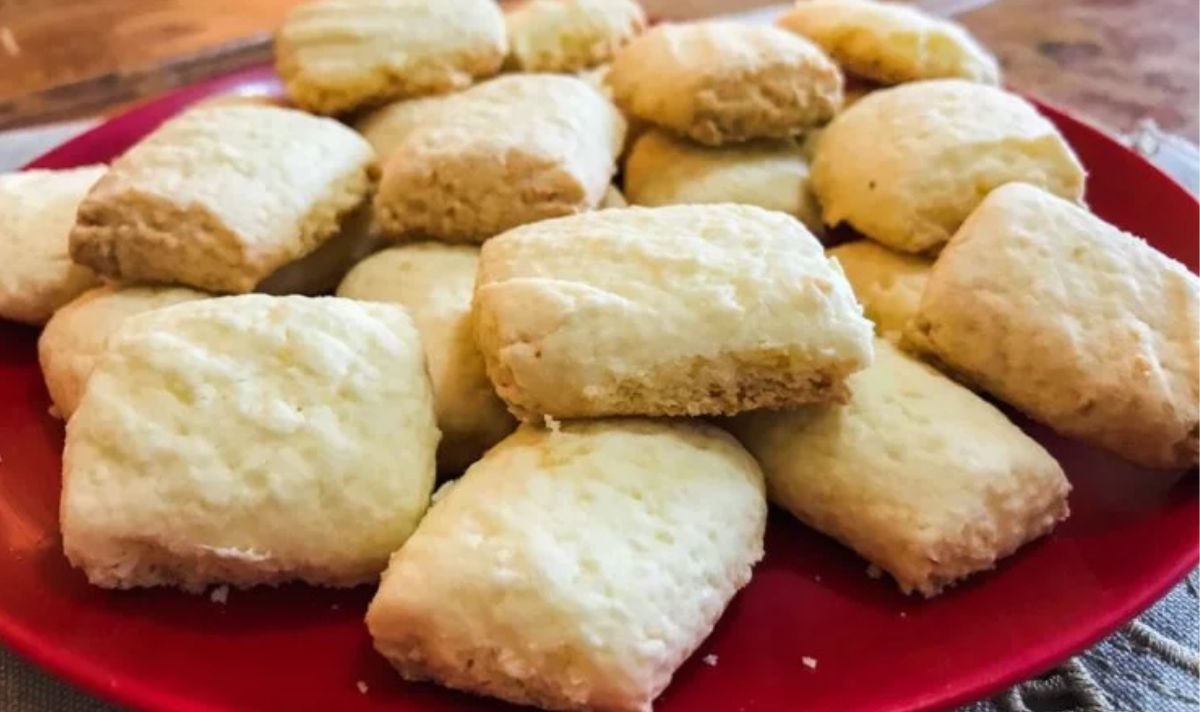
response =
{"points": [[1116, 62]]}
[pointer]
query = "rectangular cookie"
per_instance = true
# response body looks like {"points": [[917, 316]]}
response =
{"points": [[218, 198], [923, 478], [433, 282], [718, 81], [663, 169], [335, 56], [575, 568], [569, 35], [250, 440], [677, 310], [1082, 326], [513, 150]]}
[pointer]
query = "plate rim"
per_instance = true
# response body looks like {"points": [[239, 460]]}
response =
{"points": [[89, 675]]}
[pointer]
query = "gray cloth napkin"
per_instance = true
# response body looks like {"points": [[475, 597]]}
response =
{"points": [[1150, 665]]}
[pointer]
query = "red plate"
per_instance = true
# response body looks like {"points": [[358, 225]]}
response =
{"points": [[1131, 536]]}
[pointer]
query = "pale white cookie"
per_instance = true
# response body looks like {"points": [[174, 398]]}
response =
{"points": [[386, 127], [515, 149], [575, 568], [433, 281], [717, 82], [634, 126], [78, 333], [219, 198], [891, 43], [250, 440], [663, 169], [679, 310], [569, 35], [338, 55], [1081, 326], [37, 210], [919, 475], [887, 283], [906, 165]]}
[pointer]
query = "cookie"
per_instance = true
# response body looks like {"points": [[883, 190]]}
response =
{"points": [[338, 55], [559, 142], [37, 210], [663, 169], [679, 310], [250, 440], [433, 281], [891, 43], [569, 35], [78, 333], [1082, 326], [906, 165], [219, 198], [923, 478], [386, 128], [887, 283], [718, 82], [575, 568]]}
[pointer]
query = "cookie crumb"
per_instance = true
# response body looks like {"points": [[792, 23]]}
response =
{"points": [[220, 594], [810, 663], [903, 614], [817, 578], [54, 412], [334, 607], [362, 687], [552, 424], [709, 660], [874, 571]]}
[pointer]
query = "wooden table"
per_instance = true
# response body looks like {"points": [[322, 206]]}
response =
{"points": [[1114, 61]]}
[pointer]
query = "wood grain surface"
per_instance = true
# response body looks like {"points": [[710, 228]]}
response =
{"points": [[1114, 61]]}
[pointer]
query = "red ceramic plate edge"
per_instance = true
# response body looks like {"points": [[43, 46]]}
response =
{"points": [[127, 127]]}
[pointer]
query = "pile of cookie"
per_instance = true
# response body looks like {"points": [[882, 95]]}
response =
{"points": [[611, 393]]}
